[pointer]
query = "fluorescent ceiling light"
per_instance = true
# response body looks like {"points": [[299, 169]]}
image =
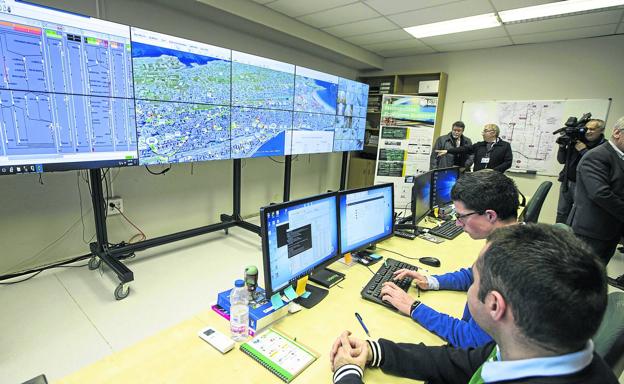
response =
{"points": [[554, 9], [464, 24]]}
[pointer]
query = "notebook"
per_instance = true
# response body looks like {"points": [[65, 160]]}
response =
{"points": [[281, 355]]}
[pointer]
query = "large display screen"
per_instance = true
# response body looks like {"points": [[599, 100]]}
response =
{"points": [[66, 92], [297, 237], [79, 92]]}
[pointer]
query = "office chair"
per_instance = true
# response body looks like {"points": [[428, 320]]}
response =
{"points": [[609, 339], [531, 212]]}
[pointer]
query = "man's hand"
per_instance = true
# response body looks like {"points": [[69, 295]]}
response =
{"points": [[579, 146], [419, 279], [397, 297], [441, 152], [349, 350]]}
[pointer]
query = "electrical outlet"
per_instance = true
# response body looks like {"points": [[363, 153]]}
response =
{"points": [[117, 207]]}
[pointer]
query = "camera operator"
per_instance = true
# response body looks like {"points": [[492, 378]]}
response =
{"points": [[571, 149]]}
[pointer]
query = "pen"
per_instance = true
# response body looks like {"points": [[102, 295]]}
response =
{"points": [[359, 318]]}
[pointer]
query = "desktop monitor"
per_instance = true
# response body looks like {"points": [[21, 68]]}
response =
{"points": [[366, 216], [298, 237], [442, 182], [421, 197]]}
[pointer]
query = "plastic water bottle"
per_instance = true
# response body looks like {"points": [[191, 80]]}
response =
{"points": [[239, 311]]}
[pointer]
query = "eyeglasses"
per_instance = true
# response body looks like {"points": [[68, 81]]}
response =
{"points": [[488, 130], [461, 218]]}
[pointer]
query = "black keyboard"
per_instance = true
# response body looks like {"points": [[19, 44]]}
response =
{"points": [[372, 289], [447, 230]]}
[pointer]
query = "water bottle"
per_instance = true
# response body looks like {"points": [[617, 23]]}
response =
{"points": [[239, 311]]}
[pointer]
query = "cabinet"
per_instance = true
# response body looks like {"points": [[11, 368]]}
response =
{"points": [[423, 84]]}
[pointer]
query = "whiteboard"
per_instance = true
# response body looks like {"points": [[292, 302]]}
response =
{"points": [[528, 126]]}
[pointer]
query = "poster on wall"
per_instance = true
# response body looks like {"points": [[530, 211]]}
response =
{"points": [[404, 143]]}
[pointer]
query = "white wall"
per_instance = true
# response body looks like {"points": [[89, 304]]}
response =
{"points": [[40, 224], [576, 69]]}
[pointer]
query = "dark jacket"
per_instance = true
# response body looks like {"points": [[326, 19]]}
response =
{"points": [[570, 157], [448, 365], [463, 160], [500, 155], [598, 210]]}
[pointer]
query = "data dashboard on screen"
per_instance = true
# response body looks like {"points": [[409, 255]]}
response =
{"points": [[182, 90], [66, 92]]}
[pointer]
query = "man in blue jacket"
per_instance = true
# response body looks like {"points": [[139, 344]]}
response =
{"points": [[484, 201]]}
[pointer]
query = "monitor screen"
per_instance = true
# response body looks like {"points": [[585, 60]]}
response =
{"points": [[349, 133], [421, 197], [442, 181], [67, 93], [259, 132], [297, 237], [352, 98], [366, 216]]}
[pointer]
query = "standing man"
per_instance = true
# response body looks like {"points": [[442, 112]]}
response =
{"points": [[454, 139], [597, 216], [484, 201], [537, 290], [491, 153], [569, 155]]}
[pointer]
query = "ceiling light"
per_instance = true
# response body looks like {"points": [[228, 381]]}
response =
{"points": [[554, 9], [453, 26]]}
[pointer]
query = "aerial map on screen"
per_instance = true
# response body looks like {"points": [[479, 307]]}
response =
{"points": [[259, 132], [182, 132], [315, 91]]}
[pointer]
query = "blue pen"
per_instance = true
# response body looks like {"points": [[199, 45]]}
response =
{"points": [[359, 318]]}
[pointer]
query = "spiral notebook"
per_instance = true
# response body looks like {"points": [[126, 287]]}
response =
{"points": [[278, 353]]}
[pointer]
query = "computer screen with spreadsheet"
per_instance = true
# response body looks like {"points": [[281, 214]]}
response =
{"points": [[66, 93], [297, 238], [366, 216]]}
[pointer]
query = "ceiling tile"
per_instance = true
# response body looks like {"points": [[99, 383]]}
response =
{"points": [[407, 52], [477, 44], [621, 28], [444, 12], [568, 22], [340, 15], [386, 7], [295, 8], [481, 34], [504, 5], [568, 34], [263, 1], [378, 24], [394, 45], [381, 37]]}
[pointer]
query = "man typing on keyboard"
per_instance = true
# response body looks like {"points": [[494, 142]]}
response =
{"points": [[484, 201]]}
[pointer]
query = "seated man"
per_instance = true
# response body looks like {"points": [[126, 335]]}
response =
{"points": [[540, 293], [484, 200]]}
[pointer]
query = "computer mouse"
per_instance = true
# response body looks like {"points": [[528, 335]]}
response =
{"points": [[430, 261]]}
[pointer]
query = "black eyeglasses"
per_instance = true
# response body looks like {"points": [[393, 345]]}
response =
{"points": [[462, 217]]}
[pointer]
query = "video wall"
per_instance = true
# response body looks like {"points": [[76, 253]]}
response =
{"points": [[79, 92]]}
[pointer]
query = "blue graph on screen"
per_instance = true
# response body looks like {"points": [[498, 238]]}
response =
{"points": [[64, 91], [172, 75]]}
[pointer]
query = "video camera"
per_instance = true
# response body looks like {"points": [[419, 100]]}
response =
{"points": [[573, 131]]}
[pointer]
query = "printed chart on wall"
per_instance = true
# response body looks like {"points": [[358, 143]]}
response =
{"points": [[404, 143], [529, 125]]}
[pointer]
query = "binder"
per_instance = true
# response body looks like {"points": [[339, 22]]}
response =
{"points": [[278, 353]]}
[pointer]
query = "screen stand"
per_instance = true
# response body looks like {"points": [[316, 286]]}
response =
{"points": [[316, 295], [327, 277]]}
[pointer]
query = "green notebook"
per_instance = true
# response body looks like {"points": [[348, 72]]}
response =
{"points": [[279, 354]]}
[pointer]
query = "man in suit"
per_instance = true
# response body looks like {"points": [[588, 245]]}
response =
{"points": [[532, 286], [597, 216], [454, 139], [491, 153]]}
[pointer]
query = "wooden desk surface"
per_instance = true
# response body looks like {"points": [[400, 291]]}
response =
{"points": [[178, 355]]}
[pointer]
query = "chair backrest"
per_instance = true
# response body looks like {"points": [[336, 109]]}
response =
{"points": [[609, 339], [531, 212]]}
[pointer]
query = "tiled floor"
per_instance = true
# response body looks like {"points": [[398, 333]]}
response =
{"points": [[67, 318]]}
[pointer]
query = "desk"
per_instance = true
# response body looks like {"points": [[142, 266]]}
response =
{"points": [[178, 355]]}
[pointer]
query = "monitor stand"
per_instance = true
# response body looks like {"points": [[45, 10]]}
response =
{"points": [[316, 295], [327, 277]]}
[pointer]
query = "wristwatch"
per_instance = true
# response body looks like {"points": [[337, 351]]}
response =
{"points": [[413, 307]]}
